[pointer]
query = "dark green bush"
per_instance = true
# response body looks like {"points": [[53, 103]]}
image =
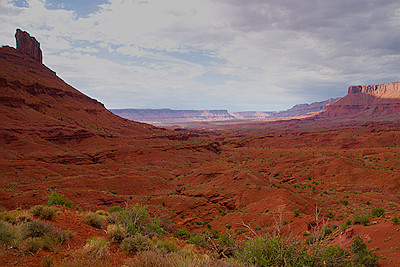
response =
{"points": [[115, 208], [59, 199], [361, 219], [296, 213], [361, 255], [378, 212], [182, 233], [395, 220]]}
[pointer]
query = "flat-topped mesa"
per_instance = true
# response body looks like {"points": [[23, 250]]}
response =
{"points": [[387, 90], [28, 45]]}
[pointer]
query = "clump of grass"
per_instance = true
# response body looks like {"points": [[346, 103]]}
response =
{"points": [[16, 217], [60, 200], [395, 220], [94, 219], [43, 212], [10, 234], [96, 247]]}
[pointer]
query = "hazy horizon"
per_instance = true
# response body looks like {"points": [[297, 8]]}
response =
{"points": [[210, 55]]}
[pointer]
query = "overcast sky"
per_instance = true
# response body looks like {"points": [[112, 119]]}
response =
{"points": [[212, 54]]}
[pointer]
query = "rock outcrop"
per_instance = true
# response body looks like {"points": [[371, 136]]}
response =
{"points": [[28, 45], [367, 102], [387, 90]]}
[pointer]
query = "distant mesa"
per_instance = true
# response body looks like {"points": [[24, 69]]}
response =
{"points": [[28, 45], [168, 116]]}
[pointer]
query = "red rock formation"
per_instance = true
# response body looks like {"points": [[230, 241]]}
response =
{"points": [[28, 45], [366, 102]]}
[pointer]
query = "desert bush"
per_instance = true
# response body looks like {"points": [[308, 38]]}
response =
{"points": [[43, 212], [330, 255], [365, 258], [166, 246], [200, 241], [59, 199], [115, 208], [117, 232], [94, 219], [153, 259], [395, 220], [296, 213], [182, 233], [136, 243], [136, 219], [228, 245], [96, 247], [378, 212], [33, 244], [361, 219], [103, 213], [37, 228], [273, 250], [51, 236], [358, 245], [361, 255]]}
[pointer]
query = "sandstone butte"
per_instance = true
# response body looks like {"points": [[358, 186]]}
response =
{"points": [[54, 138]]}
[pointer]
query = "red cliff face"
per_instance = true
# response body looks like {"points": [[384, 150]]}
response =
{"points": [[366, 102], [387, 90], [28, 45]]}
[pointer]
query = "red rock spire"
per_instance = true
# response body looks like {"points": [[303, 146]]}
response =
{"points": [[28, 45]]}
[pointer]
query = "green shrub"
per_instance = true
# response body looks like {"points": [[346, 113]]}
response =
{"points": [[59, 199], [365, 258], [395, 220], [358, 245], [273, 251], [378, 212], [167, 246], [182, 233], [136, 243], [227, 244], [296, 213], [361, 219], [94, 219], [117, 232], [136, 219], [96, 247], [43, 212], [330, 255], [115, 208], [200, 241], [33, 244], [361, 255]]}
